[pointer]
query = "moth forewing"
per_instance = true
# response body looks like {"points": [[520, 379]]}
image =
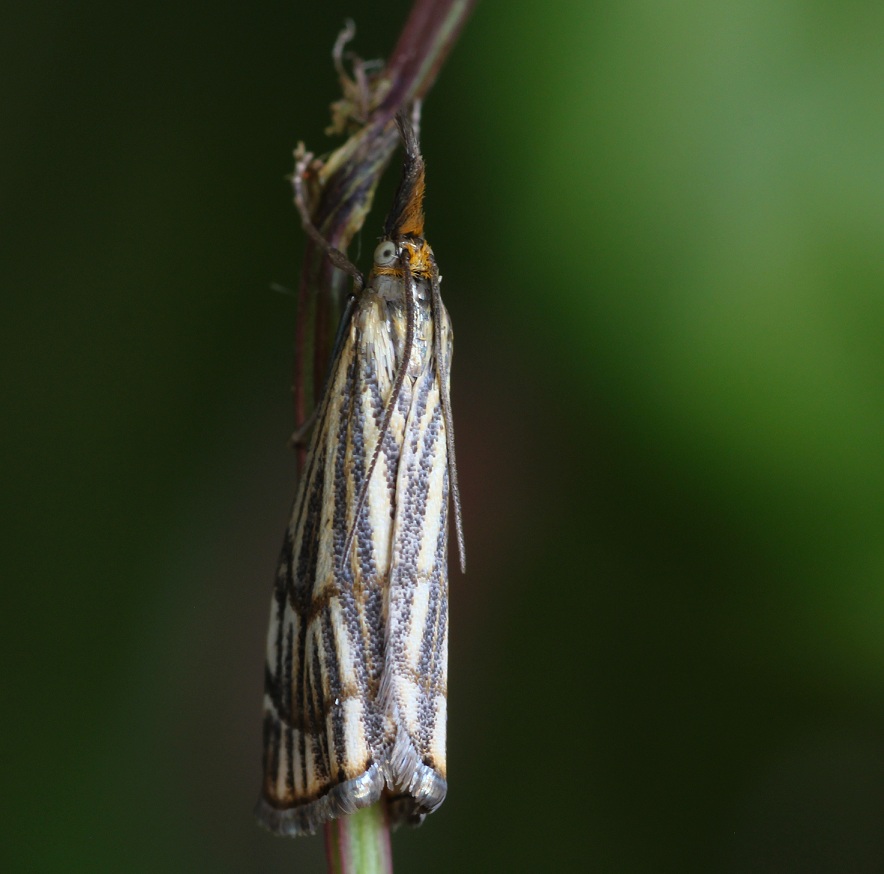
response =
{"points": [[320, 726], [356, 678]]}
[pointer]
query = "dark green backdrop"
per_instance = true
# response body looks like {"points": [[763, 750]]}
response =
{"points": [[661, 228]]}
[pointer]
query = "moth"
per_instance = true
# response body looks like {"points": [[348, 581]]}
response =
{"points": [[357, 649]]}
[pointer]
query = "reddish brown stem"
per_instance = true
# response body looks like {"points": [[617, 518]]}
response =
{"points": [[345, 193]]}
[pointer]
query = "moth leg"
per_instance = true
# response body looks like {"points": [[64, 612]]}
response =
{"points": [[299, 440]]}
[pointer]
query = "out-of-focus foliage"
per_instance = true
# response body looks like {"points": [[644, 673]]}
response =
{"points": [[662, 234]]}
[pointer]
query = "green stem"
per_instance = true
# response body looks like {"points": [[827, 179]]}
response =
{"points": [[360, 843]]}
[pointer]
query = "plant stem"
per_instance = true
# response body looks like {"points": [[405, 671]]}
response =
{"points": [[344, 184], [341, 191], [360, 843]]}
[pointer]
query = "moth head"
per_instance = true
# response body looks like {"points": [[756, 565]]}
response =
{"points": [[386, 254]]}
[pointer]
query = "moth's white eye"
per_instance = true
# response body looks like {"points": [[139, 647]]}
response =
{"points": [[385, 254]]}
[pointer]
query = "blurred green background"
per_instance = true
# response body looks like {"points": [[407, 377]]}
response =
{"points": [[662, 233]]}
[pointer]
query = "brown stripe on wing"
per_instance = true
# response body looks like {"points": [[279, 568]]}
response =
{"points": [[319, 707], [335, 695]]}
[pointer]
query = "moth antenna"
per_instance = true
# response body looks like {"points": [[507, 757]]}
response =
{"points": [[391, 403], [445, 397]]}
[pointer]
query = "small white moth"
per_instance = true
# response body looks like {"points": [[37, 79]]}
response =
{"points": [[357, 651]]}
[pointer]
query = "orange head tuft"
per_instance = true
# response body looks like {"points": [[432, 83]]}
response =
{"points": [[406, 218]]}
